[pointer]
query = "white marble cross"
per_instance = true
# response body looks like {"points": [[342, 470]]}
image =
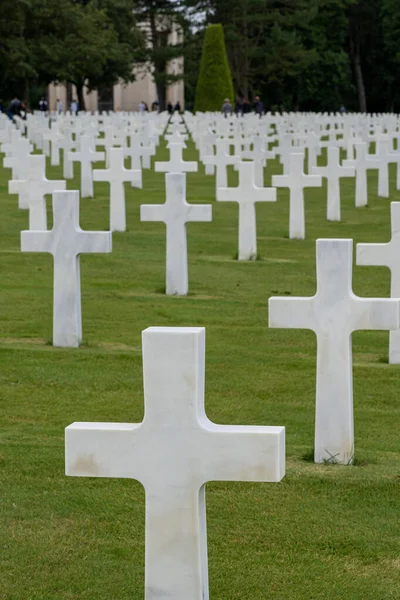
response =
{"points": [[176, 137], [133, 151], [86, 156], [67, 144], [333, 314], [333, 171], [66, 241], [117, 175], [221, 160], [383, 156], [176, 163], [32, 191], [296, 181], [362, 163], [19, 161], [259, 154], [246, 195], [206, 148], [387, 255], [173, 453], [175, 213]]}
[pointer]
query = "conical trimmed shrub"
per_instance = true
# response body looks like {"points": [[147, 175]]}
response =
{"points": [[215, 79]]}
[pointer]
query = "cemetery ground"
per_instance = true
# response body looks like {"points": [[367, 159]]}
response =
{"points": [[325, 532]]}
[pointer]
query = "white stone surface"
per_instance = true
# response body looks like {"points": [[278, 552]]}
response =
{"points": [[383, 156], [117, 175], [333, 314], [387, 255], [67, 144], [176, 164], [174, 452], [296, 181], [362, 162], [19, 161], [333, 172], [32, 191], [86, 156], [175, 213], [246, 195], [66, 241], [221, 160]]}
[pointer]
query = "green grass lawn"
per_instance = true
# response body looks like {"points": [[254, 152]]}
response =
{"points": [[324, 532]]}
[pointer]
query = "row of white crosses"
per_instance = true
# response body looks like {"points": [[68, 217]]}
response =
{"points": [[175, 433], [176, 212], [66, 241]]}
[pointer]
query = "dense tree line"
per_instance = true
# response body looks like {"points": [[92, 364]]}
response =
{"points": [[296, 54], [313, 54]]}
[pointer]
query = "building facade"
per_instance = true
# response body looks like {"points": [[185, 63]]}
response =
{"points": [[126, 97]]}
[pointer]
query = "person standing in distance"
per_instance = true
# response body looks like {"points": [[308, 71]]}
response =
{"points": [[226, 107]]}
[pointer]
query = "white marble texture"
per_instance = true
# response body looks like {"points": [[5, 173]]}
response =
{"points": [[362, 162], [221, 160], [86, 156], [383, 156], [296, 181], [175, 213], [246, 195], [32, 191], [133, 152], [176, 164], [117, 175], [174, 452], [67, 144], [19, 160], [66, 241], [387, 255], [333, 314], [333, 172]]}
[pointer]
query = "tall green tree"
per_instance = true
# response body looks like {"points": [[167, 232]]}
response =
{"points": [[215, 79], [16, 64]]}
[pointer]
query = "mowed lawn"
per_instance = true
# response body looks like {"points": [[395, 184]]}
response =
{"points": [[324, 532]]}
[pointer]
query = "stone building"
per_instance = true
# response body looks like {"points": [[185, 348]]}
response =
{"points": [[122, 96]]}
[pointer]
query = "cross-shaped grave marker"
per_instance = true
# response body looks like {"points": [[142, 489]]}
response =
{"points": [[362, 162], [66, 241], [387, 255], [259, 154], [176, 163], [117, 175], [174, 452], [67, 144], [383, 158], [333, 172], [32, 191], [296, 181], [133, 151], [221, 160], [19, 161], [86, 156], [175, 213], [246, 195], [333, 314]]}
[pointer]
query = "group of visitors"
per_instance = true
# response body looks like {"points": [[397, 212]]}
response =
{"points": [[171, 109], [16, 108], [243, 107]]}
